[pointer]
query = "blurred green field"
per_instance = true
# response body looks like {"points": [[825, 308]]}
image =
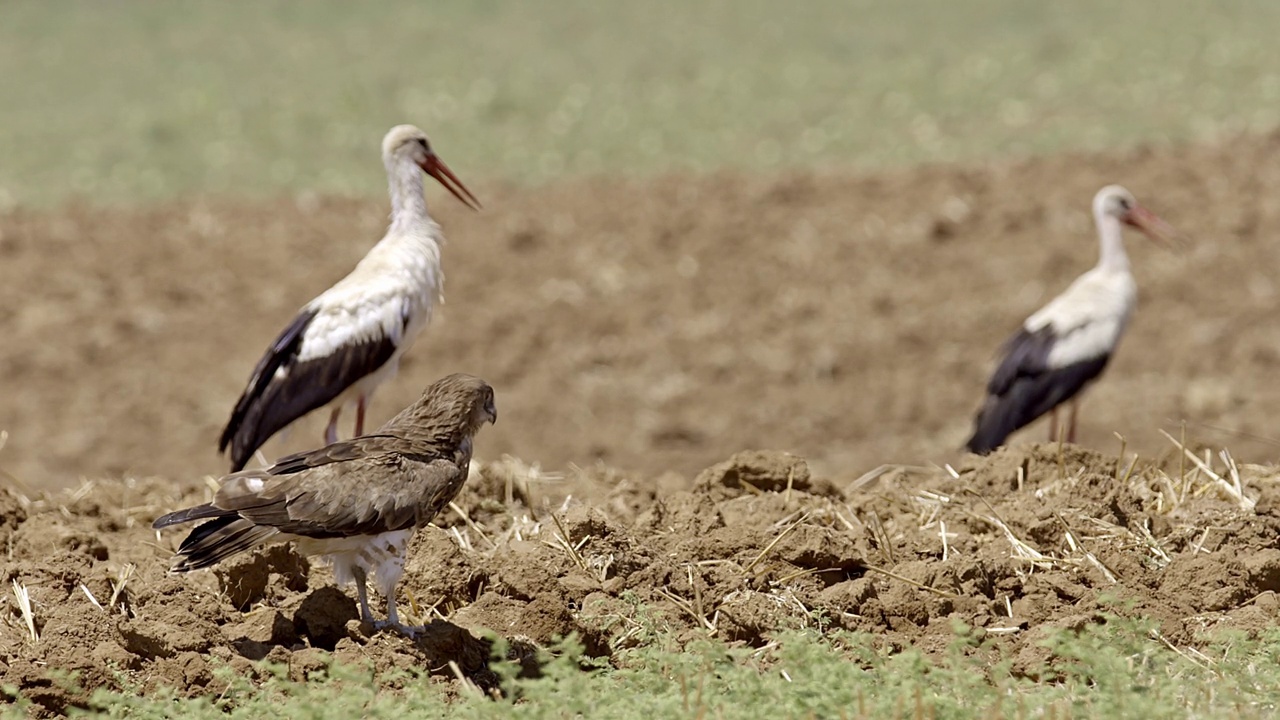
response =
{"points": [[136, 101]]}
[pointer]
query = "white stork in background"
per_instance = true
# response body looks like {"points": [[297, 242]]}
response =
{"points": [[1066, 344], [347, 341]]}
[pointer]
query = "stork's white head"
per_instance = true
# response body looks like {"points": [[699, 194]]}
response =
{"points": [[1114, 202], [406, 143]]}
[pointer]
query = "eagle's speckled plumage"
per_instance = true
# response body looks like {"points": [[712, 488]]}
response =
{"points": [[358, 501]]}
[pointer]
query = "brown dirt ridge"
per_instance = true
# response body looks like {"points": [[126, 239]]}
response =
{"points": [[1028, 540]]}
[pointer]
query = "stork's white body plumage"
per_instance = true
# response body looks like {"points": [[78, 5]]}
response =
{"points": [[1089, 317], [1065, 345], [389, 297], [349, 340]]}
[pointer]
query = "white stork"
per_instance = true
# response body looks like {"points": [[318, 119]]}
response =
{"points": [[1066, 344], [347, 341]]}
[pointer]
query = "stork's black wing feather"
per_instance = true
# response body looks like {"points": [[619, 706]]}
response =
{"points": [[282, 351], [1024, 387], [1026, 354], [273, 399]]}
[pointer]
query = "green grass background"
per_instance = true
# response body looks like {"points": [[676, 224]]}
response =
{"points": [[136, 101]]}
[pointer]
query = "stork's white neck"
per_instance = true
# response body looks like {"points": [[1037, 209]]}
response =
{"points": [[408, 205], [1111, 241]]}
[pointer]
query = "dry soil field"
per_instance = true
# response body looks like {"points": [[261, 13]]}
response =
{"points": [[637, 333], [658, 325]]}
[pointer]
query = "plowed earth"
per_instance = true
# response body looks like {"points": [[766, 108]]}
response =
{"points": [[1036, 539], [658, 325]]}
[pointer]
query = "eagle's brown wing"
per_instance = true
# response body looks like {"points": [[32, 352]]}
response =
{"points": [[342, 451], [395, 479], [366, 496]]}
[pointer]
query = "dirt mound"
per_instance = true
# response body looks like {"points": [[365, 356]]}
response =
{"points": [[658, 325], [1027, 540]]}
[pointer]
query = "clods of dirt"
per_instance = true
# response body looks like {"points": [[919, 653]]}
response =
{"points": [[1027, 541]]}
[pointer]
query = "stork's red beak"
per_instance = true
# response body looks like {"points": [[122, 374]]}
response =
{"points": [[436, 168], [1154, 228]]}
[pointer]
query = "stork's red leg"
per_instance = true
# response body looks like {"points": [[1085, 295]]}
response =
{"points": [[360, 416], [1053, 425], [331, 432], [1071, 423]]}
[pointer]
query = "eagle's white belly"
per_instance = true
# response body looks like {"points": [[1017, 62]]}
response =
{"points": [[380, 556]]}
